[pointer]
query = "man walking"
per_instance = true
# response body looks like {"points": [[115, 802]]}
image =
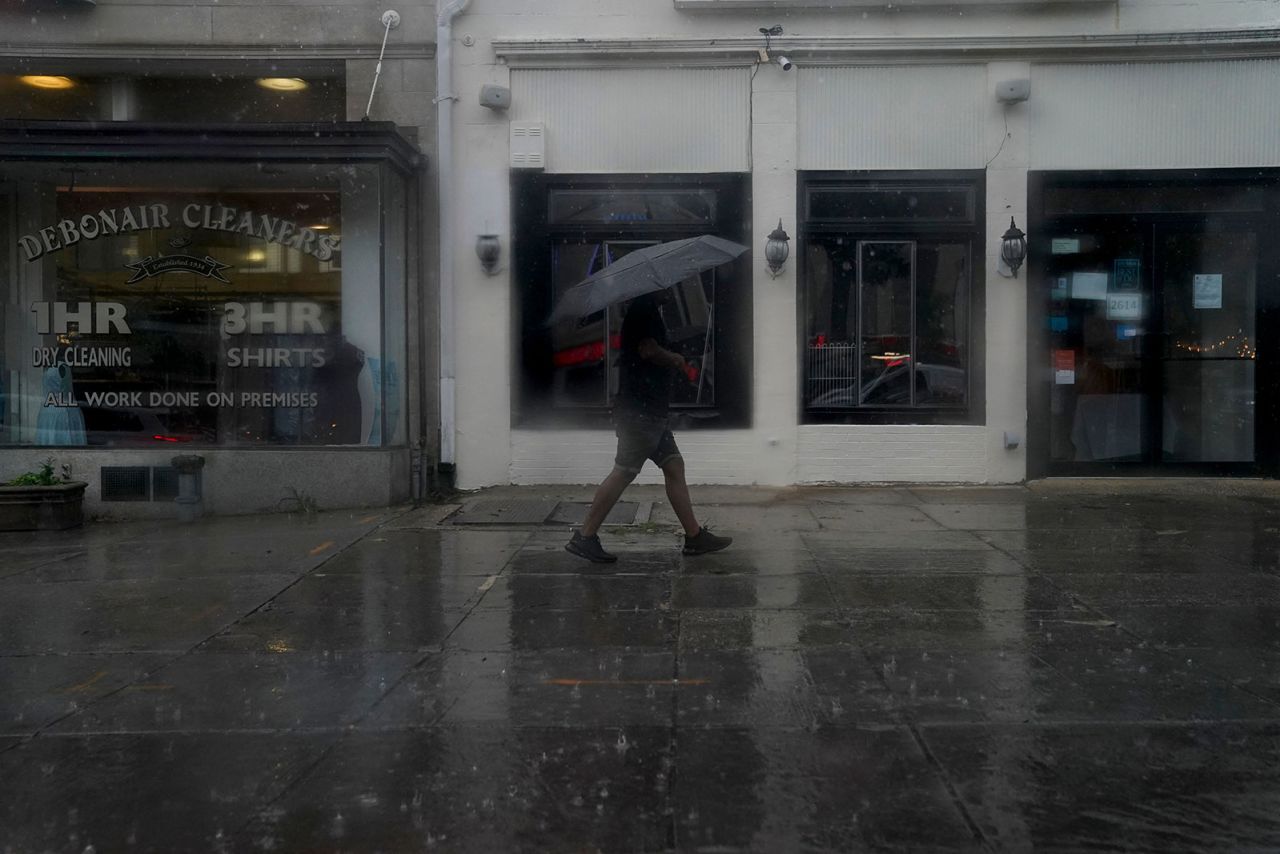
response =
{"points": [[640, 418]]}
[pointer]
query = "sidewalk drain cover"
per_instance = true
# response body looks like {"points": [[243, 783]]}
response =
{"points": [[623, 513], [505, 511]]}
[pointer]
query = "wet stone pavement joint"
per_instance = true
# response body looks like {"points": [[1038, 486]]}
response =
{"points": [[959, 669]]}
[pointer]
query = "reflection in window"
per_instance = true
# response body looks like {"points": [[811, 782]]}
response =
{"points": [[888, 273], [888, 324], [172, 312]]}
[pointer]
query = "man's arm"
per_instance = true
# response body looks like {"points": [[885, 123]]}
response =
{"points": [[651, 352]]}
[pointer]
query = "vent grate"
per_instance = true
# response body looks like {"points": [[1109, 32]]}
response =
{"points": [[125, 483], [164, 483]]}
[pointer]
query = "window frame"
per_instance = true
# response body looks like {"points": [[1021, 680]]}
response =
{"points": [[973, 413], [378, 145], [531, 203]]}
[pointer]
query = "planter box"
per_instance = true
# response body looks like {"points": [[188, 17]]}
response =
{"points": [[42, 508]]}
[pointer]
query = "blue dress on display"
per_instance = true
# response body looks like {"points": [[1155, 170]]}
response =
{"points": [[59, 425]]}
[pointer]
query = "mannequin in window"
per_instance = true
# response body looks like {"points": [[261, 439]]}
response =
{"points": [[59, 424]]}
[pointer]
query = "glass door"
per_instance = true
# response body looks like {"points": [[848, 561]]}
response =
{"points": [[1152, 348], [1208, 286], [1100, 323]]}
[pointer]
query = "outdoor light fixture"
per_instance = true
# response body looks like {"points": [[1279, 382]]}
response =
{"points": [[47, 81], [282, 84], [488, 250], [1013, 248], [776, 249]]}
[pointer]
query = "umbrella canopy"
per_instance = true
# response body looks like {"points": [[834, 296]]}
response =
{"points": [[644, 271]]}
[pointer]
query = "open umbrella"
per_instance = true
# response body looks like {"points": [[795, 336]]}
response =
{"points": [[644, 271]]}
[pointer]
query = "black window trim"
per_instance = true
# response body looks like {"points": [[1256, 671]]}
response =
{"points": [[974, 413], [736, 225]]}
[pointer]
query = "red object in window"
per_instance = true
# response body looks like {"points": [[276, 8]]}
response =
{"points": [[159, 438], [584, 353], [691, 371], [821, 341]]}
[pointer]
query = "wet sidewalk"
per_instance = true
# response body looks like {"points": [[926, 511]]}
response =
{"points": [[970, 669]]}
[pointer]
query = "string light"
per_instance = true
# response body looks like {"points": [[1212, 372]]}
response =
{"points": [[1244, 349]]}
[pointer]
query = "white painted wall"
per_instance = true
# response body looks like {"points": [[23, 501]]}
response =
{"points": [[893, 117], [637, 119], [918, 111], [1160, 115]]}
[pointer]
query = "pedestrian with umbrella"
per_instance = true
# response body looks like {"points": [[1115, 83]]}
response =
{"points": [[646, 371]]}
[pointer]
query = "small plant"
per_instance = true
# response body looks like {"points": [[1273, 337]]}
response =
{"points": [[301, 501], [43, 477]]}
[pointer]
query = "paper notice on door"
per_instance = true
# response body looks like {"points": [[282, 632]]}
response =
{"points": [[1207, 290], [1065, 245], [1089, 285], [1064, 367]]}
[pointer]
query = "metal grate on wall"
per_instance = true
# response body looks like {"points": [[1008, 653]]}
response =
{"points": [[140, 483]]}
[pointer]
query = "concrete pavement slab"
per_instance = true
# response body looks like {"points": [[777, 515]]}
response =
{"points": [[1124, 788], [479, 788], [162, 615], [802, 590], [216, 692], [762, 628], [1005, 671], [550, 687], [158, 792], [836, 789], [500, 630], [40, 689]]}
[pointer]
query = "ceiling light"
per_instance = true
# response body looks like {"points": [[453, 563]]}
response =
{"points": [[320, 227], [282, 84], [47, 81]]}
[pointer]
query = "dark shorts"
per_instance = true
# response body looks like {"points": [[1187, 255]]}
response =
{"points": [[641, 439]]}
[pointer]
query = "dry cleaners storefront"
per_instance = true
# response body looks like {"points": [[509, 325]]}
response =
{"points": [[238, 295]]}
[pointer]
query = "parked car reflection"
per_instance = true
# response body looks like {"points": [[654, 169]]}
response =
{"points": [[934, 384]]}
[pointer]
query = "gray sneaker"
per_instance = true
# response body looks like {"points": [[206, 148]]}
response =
{"points": [[705, 542], [589, 548]]}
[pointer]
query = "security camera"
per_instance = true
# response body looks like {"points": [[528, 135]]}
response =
{"points": [[786, 64]]}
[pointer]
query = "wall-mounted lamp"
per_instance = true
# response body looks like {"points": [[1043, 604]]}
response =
{"points": [[776, 250], [488, 250], [1013, 248]]}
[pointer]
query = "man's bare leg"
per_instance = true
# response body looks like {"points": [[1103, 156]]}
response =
{"points": [[607, 495], [678, 495]]}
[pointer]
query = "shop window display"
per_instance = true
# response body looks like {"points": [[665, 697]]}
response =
{"points": [[889, 277], [573, 227], [213, 304]]}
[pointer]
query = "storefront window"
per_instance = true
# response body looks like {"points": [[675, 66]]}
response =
{"points": [[211, 92], [570, 231], [1152, 326], [217, 304], [888, 270]]}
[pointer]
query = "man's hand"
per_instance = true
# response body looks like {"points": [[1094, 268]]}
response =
{"points": [[651, 352]]}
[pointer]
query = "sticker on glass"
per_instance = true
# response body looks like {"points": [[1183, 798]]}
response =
{"points": [[1089, 286], [1127, 275], [1207, 290], [1064, 367], [1124, 306]]}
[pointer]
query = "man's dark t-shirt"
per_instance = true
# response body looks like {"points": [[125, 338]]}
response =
{"points": [[644, 388]]}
